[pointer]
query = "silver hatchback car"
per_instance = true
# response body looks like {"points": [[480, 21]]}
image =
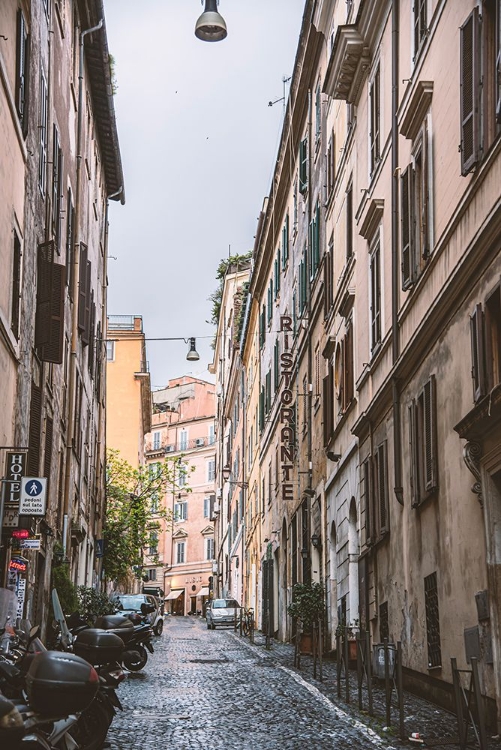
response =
{"points": [[222, 612]]}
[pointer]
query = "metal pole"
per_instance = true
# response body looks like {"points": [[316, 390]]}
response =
{"points": [[479, 700], [360, 675], [314, 649], [387, 683], [459, 703], [400, 689], [338, 665], [320, 648], [346, 660], [368, 665]]}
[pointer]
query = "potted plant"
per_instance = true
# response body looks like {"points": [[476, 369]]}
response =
{"points": [[308, 607], [349, 630]]}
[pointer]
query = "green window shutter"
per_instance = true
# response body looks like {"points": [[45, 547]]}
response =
{"points": [[303, 165], [52, 350], [406, 183], [261, 409]]}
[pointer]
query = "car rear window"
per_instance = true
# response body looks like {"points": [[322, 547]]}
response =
{"points": [[131, 602], [225, 604]]}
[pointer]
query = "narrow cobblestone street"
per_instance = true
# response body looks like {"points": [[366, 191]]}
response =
{"points": [[214, 690]]}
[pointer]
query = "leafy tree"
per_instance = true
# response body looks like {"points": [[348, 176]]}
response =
{"points": [[134, 511], [217, 295]]}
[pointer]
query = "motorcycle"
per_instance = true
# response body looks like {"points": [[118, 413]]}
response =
{"points": [[48, 691]]}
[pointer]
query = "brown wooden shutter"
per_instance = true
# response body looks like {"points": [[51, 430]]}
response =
{"points": [[45, 265], [478, 370], [348, 365], [88, 304], [367, 475], [430, 438], [382, 490], [407, 234], [92, 341], [82, 286], [49, 430], [16, 286], [470, 88], [52, 351], [70, 250], [33, 466], [413, 454], [328, 405]]}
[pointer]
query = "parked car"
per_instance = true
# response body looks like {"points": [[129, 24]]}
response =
{"points": [[131, 603], [222, 612]]}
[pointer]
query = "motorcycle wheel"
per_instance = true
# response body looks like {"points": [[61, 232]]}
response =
{"points": [[92, 726], [136, 666], [158, 629]]}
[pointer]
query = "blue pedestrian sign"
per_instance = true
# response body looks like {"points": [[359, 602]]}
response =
{"points": [[33, 496]]}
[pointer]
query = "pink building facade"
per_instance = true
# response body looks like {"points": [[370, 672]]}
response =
{"points": [[180, 558]]}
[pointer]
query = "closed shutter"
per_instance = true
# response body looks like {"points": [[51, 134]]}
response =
{"points": [[348, 365], [368, 500], [470, 88], [413, 453], [382, 490], [303, 165], [33, 466], [49, 431], [52, 350], [478, 369], [70, 267], [430, 438], [82, 282], [328, 406], [92, 340], [45, 266], [21, 70], [16, 286], [88, 304], [406, 183]]}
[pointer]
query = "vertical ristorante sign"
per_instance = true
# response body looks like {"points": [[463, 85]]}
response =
{"points": [[287, 411]]}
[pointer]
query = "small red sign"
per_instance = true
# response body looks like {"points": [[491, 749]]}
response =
{"points": [[20, 534], [17, 565]]}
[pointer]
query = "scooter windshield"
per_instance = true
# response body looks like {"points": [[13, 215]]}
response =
{"points": [[66, 637]]}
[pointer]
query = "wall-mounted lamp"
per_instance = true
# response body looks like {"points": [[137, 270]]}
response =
{"points": [[211, 26], [333, 456], [226, 472], [315, 540], [305, 553]]}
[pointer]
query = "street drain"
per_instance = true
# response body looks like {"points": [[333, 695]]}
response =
{"points": [[209, 661]]}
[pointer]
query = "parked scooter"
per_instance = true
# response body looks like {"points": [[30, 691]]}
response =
{"points": [[48, 691]]}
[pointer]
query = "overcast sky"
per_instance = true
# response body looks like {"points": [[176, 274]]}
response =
{"points": [[198, 143]]}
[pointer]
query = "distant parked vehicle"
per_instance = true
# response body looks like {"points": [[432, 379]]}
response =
{"points": [[222, 612], [131, 603]]}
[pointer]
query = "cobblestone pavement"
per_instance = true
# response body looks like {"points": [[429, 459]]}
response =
{"points": [[213, 689]]}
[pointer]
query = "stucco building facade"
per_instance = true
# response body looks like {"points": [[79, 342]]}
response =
{"points": [[60, 165], [374, 296], [180, 558]]}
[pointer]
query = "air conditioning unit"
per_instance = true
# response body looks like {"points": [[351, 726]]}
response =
{"points": [[199, 442], [169, 448]]}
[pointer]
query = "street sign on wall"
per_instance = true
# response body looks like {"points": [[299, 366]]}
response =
{"points": [[33, 496]]}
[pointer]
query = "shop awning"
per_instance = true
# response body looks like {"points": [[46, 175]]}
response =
{"points": [[175, 594], [204, 591]]}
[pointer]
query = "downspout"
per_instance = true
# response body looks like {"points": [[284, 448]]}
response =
{"points": [[308, 396], [74, 317], [395, 269], [99, 353]]}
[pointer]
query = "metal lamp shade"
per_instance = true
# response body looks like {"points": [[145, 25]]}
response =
{"points": [[193, 355], [211, 26]]}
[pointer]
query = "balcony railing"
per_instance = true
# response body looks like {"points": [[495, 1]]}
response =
{"points": [[183, 445]]}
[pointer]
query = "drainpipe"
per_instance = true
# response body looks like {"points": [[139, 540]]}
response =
{"points": [[74, 316], [308, 395], [395, 265]]}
